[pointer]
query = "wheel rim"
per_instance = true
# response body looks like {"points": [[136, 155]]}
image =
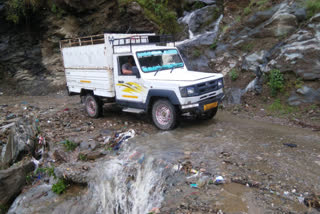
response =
{"points": [[163, 115], [91, 106]]}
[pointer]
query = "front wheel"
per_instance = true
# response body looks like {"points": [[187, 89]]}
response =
{"points": [[208, 115], [164, 115], [93, 106]]}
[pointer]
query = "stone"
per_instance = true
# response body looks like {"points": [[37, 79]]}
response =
{"points": [[20, 142], [12, 181], [79, 173], [60, 156], [301, 14], [304, 95], [253, 61], [88, 145]]}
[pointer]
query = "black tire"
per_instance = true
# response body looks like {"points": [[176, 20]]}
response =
{"points": [[93, 106], [208, 115], [164, 115]]}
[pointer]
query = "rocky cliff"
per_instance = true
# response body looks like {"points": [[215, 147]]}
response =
{"points": [[246, 38]]}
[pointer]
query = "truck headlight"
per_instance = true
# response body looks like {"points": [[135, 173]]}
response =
{"points": [[190, 91], [183, 92], [220, 83]]}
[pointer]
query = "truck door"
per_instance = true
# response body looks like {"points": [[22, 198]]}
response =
{"points": [[130, 89]]}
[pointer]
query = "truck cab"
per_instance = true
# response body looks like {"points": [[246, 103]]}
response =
{"points": [[159, 82]]}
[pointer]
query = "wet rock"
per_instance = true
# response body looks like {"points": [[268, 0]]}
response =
{"points": [[202, 20], [75, 172], [12, 181], [41, 199], [304, 95], [20, 142]]}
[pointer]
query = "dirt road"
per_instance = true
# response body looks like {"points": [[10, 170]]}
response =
{"points": [[266, 167]]}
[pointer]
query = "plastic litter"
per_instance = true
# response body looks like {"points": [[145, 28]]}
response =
{"points": [[140, 161], [194, 185], [291, 145], [219, 180], [177, 167], [10, 116], [193, 171], [122, 137]]}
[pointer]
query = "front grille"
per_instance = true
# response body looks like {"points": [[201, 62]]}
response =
{"points": [[207, 87]]}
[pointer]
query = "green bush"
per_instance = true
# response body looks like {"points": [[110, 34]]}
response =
{"points": [[247, 11], [276, 82], [59, 187], [233, 74], [313, 7], [158, 12], [21, 9]]}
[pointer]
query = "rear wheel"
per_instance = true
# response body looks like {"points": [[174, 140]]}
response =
{"points": [[164, 115], [208, 115], [93, 106]]}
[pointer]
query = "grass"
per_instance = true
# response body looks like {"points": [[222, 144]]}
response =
{"points": [[47, 170], [313, 7], [59, 187], [3, 209], [82, 157], [280, 109], [276, 82], [233, 74], [196, 53], [214, 45], [69, 145], [248, 47]]}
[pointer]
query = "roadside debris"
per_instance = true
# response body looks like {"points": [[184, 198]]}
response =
{"points": [[291, 145]]}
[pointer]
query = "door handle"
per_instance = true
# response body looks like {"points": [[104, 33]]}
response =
{"points": [[120, 81]]}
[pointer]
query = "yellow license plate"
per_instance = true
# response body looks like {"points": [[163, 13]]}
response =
{"points": [[210, 106]]}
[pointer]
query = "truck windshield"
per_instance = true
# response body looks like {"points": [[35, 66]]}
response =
{"points": [[157, 60]]}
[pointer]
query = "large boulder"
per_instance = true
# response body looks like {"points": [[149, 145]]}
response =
{"points": [[20, 142], [301, 52], [282, 23], [12, 181]]}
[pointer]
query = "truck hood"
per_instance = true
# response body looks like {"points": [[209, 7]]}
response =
{"points": [[179, 75]]}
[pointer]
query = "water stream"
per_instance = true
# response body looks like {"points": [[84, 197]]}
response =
{"points": [[131, 183]]}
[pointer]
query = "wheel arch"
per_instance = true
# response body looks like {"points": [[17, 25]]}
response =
{"points": [[155, 94]]}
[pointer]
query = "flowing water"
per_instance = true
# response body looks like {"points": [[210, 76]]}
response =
{"points": [[129, 184]]}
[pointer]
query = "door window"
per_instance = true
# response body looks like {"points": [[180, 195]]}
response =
{"points": [[126, 63]]}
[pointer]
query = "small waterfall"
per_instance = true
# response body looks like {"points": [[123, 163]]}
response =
{"points": [[129, 184], [193, 37]]}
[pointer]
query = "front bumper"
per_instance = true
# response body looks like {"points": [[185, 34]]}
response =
{"points": [[199, 107]]}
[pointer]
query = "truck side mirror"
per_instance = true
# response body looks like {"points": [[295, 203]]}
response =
{"points": [[135, 71]]}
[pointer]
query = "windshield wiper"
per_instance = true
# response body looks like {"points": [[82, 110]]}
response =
{"points": [[172, 69], [158, 71]]}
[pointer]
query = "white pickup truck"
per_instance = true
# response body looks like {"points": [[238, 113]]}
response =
{"points": [[160, 83]]}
